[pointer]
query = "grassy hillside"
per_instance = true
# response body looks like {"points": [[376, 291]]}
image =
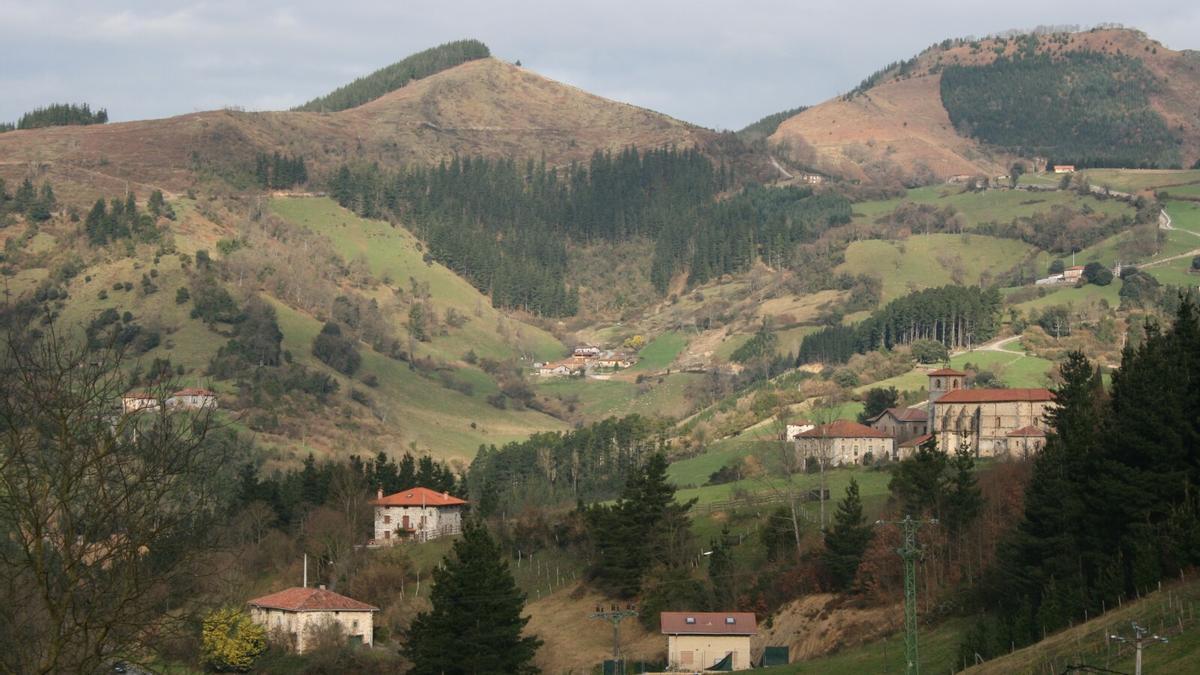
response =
{"points": [[394, 255], [925, 261], [998, 206]]}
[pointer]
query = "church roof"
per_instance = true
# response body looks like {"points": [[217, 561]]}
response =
{"points": [[947, 372], [996, 396]]}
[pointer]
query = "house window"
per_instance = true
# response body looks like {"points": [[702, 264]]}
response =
{"points": [[690, 619], [687, 657], [938, 383], [387, 519], [729, 620], [354, 624]]}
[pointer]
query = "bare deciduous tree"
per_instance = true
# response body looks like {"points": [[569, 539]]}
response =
{"points": [[103, 513]]}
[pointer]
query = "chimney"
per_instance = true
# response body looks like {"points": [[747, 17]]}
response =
{"points": [[379, 493]]}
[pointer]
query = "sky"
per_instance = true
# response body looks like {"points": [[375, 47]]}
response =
{"points": [[722, 65]]}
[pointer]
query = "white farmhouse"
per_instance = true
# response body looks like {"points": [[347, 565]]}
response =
{"points": [[419, 514], [193, 398], [297, 612]]}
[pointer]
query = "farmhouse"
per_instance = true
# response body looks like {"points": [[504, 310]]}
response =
{"points": [[586, 351], [419, 514], [794, 429], [1064, 168], [844, 442], [297, 612], [700, 641], [1072, 274], [193, 398], [901, 423], [992, 422], [908, 448], [136, 401], [564, 368], [613, 360]]}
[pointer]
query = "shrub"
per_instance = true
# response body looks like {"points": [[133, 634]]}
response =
{"points": [[929, 351], [336, 350], [231, 641]]}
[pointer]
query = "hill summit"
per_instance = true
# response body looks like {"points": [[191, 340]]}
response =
{"points": [[1102, 97]]}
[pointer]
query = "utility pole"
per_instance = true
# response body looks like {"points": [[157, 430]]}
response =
{"points": [[615, 616], [909, 552], [1139, 641]]}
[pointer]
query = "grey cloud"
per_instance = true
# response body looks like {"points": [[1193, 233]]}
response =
{"points": [[718, 64]]}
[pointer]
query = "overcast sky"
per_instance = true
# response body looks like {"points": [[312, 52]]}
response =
{"points": [[722, 64]]}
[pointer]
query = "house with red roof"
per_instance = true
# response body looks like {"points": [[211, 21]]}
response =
{"points": [[843, 442], [704, 641], [416, 514], [991, 422], [137, 401], [193, 398], [297, 613]]}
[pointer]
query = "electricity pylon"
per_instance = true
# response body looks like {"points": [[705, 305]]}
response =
{"points": [[615, 616], [909, 552], [1139, 641]]}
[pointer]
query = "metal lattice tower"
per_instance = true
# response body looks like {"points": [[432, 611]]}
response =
{"points": [[615, 616], [909, 552]]}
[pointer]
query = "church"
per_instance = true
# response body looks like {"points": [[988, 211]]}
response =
{"points": [[991, 422]]}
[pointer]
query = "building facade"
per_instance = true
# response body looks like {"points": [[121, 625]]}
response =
{"points": [[902, 423], [991, 422], [297, 613], [418, 514], [698, 641], [843, 442], [193, 398]]}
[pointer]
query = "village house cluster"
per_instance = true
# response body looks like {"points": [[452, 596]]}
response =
{"points": [[584, 359], [991, 422], [190, 398]]}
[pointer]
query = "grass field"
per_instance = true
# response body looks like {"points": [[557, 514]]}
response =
{"points": [[1000, 206], [661, 351], [393, 253], [599, 399], [926, 261], [1070, 295], [1132, 180]]}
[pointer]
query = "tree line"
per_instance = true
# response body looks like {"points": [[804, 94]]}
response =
{"points": [[390, 78], [58, 115], [589, 463], [1113, 503], [1082, 108], [955, 316], [277, 172]]}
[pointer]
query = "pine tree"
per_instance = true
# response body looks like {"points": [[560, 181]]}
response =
{"points": [[963, 500], [475, 623], [846, 542], [721, 572]]}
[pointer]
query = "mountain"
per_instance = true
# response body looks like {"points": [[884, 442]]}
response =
{"points": [[1103, 97], [482, 107]]}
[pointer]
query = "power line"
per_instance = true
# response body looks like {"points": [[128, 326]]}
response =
{"points": [[615, 616], [1140, 641]]}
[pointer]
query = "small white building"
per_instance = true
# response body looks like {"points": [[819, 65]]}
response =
{"points": [[702, 641], [419, 514], [587, 351], [136, 401], [193, 398], [297, 612]]}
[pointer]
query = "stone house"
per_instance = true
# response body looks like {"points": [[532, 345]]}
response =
{"points": [[699, 641], [297, 612], [193, 398], [843, 442], [417, 514], [136, 401], [901, 423]]}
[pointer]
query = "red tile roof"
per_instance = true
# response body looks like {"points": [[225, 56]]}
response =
{"points": [[916, 441], [418, 496], [1028, 431], [140, 395], [948, 372], [708, 623], [842, 429], [996, 395], [297, 599]]}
